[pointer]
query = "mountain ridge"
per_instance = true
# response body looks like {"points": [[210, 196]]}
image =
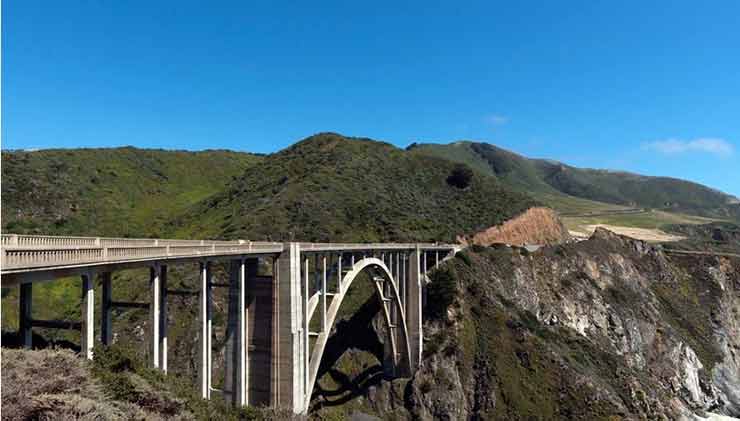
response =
{"points": [[545, 177], [96, 191], [328, 187]]}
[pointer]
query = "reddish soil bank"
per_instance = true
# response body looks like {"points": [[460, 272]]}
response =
{"points": [[535, 226]]}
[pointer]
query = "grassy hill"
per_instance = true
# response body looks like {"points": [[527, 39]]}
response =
{"points": [[326, 187], [329, 187], [112, 192], [570, 189]]}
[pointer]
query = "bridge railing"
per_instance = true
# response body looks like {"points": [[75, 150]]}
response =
{"points": [[22, 240], [20, 251], [41, 257], [35, 257], [372, 246], [45, 241]]}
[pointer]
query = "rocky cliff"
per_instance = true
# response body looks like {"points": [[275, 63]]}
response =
{"points": [[609, 328], [605, 329]]}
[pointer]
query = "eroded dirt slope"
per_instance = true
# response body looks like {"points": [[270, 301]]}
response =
{"points": [[537, 225]]}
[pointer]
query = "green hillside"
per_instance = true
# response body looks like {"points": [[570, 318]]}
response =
{"points": [[113, 192], [332, 188], [638, 190], [326, 188], [571, 189], [514, 170]]}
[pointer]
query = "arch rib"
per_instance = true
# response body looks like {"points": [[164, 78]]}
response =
{"points": [[377, 268]]}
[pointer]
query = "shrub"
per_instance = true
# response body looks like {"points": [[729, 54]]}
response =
{"points": [[463, 257], [460, 177], [111, 366], [477, 248], [440, 293], [425, 386], [114, 359]]}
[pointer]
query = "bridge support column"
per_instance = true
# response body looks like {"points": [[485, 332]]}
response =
{"points": [[402, 280], [25, 300], [163, 318], [413, 292], [242, 389], [242, 275], [155, 303], [389, 356], [424, 267], [341, 271], [288, 359], [204, 341], [88, 316], [324, 294], [106, 314]]}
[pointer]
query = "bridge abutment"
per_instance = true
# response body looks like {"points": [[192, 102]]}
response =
{"points": [[288, 360], [413, 294]]}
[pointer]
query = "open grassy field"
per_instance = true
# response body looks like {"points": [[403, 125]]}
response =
{"points": [[647, 225]]}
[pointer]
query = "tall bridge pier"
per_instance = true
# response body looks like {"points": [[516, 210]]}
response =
{"points": [[278, 323]]}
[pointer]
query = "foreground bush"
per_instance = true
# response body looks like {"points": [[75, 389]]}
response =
{"points": [[116, 385]]}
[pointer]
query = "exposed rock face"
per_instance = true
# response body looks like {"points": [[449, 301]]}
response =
{"points": [[609, 328], [535, 226]]}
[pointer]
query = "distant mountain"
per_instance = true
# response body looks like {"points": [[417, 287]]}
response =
{"points": [[333, 188], [570, 189], [114, 191]]}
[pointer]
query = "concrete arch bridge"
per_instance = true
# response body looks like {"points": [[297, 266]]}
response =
{"points": [[277, 325]]}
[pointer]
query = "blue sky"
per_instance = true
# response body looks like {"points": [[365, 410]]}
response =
{"points": [[651, 87]]}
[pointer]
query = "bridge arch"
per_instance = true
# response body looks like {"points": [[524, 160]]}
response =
{"points": [[398, 332]]}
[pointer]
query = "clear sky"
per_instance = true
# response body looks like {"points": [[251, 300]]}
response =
{"points": [[646, 86]]}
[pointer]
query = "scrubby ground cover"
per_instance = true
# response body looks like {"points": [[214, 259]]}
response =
{"points": [[125, 192], [56, 384]]}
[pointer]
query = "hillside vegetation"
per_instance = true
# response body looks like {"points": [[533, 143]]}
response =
{"points": [[109, 192], [114, 386], [571, 189], [332, 188]]}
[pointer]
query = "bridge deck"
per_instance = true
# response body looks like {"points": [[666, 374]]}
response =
{"points": [[38, 257]]}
